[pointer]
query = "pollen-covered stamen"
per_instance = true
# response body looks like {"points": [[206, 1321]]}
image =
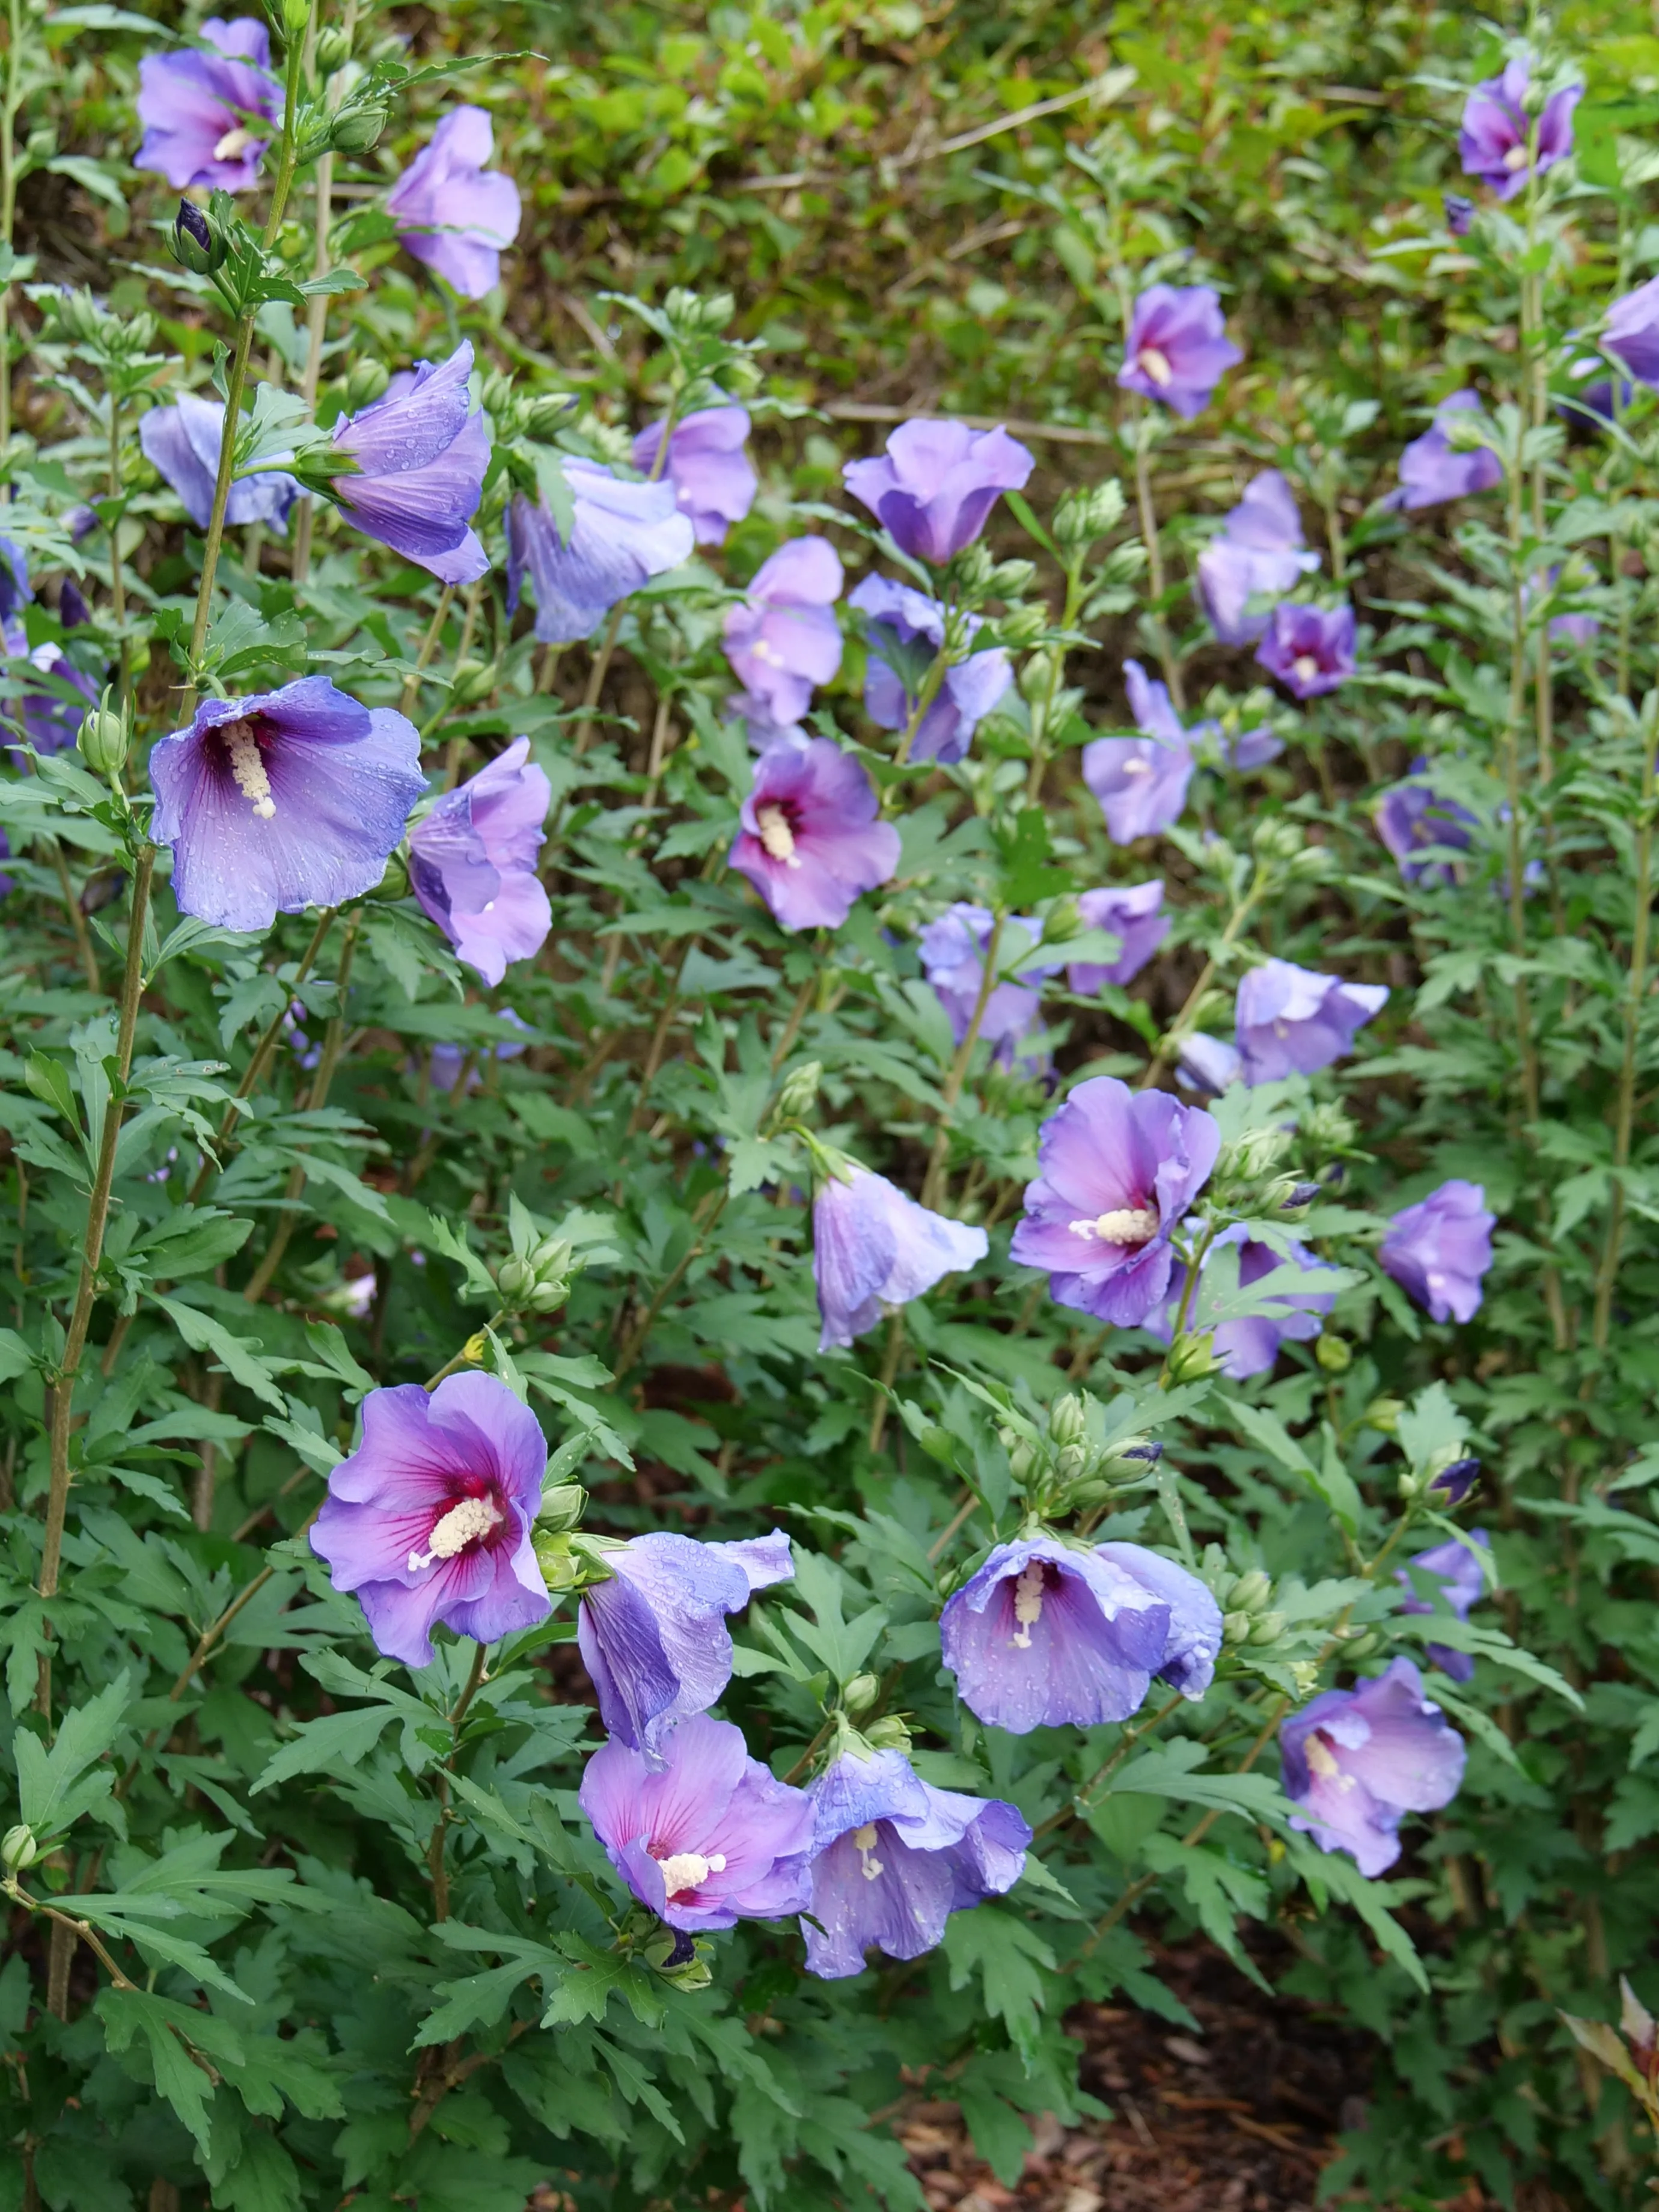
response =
{"points": [[1126, 1224], [1321, 1761], [687, 1870], [464, 1524], [777, 837], [1155, 365], [1304, 668], [1028, 1601], [234, 144], [864, 1843], [1516, 157], [247, 768], [1137, 764]]}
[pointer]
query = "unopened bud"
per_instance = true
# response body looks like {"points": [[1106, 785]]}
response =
{"points": [[552, 1256], [515, 1279], [1269, 1629], [561, 1568], [1334, 1353], [1250, 1592], [1252, 1156], [1072, 1460], [296, 14], [562, 1508], [496, 392], [1191, 1357], [548, 1297], [196, 241], [365, 382], [1383, 1414], [1022, 625], [333, 49], [103, 739], [1142, 1451], [1068, 1424], [1022, 1462], [1082, 516], [1363, 1646], [860, 1693], [1039, 675], [545, 416], [18, 1848], [799, 1090], [394, 881], [474, 680], [1304, 1674], [973, 568], [356, 128], [1235, 1628], [888, 1734], [1063, 921], [1011, 580]]}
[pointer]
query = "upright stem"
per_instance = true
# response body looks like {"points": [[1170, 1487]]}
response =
{"points": [[1606, 1276], [1044, 718], [77, 920], [8, 200], [1169, 1043], [934, 1181], [262, 1054], [596, 675], [316, 326], [117, 574], [1155, 564]]}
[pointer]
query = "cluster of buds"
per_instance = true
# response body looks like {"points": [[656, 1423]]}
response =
{"points": [[974, 575], [569, 1560], [799, 1092], [537, 1281], [858, 1698], [77, 319], [1246, 1615], [1253, 1176], [1066, 1471], [1085, 515]]}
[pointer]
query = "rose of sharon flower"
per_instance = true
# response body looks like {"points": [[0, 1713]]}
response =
{"points": [[1631, 335], [653, 1638], [1459, 213], [1258, 553], [1141, 782], [183, 442], [953, 951], [201, 112], [53, 719], [429, 1519], [714, 482], [874, 1247], [1119, 1170], [472, 863], [452, 212], [1413, 819], [1208, 1064], [811, 839], [1292, 1021], [1250, 1346], [288, 800], [1310, 649], [1178, 350], [936, 483], [784, 639], [1463, 1580], [906, 631], [622, 535], [893, 1858], [1052, 1635], [1431, 471], [421, 455], [1131, 913], [1357, 1760], [1495, 140], [705, 1837], [1438, 1250]]}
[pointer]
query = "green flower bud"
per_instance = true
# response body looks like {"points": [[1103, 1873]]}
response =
{"points": [[1235, 1628], [18, 1848], [1269, 1628], [561, 1568], [799, 1094], [1305, 1676], [1383, 1414], [196, 240], [548, 1297], [973, 569], [1022, 1461], [562, 1508], [1191, 1357], [1072, 1460], [365, 382], [474, 680], [515, 1279], [860, 1693], [1064, 919], [545, 416], [296, 14], [333, 49], [1068, 1424], [1022, 625], [1333, 1354], [394, 881], [1010, 580], [496, 392], [104, 740], [1367, 1641], [1278, 838], [888, 1734], [1038, 674], [552, 1256], [1083, 515], [1250, 1592]]}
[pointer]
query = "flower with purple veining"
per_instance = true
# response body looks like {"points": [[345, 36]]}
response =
{"points": [[622, 534], [1141, 782], [287, 800], [1258, 553], [208, 116], [1431, 470], [183, 442], [1631, 334], [429, 1519], [714, 479], [906, 633], [1456, 1568], [454, 212], [953, 950], [420, 454], [1310, 649], [1495, 142], [653, 1638], [1439, 1250], [1292, 1021], [893, 1857], [472, 863], [1357, 1760], [1414, 819], [784, 639], [1178, 350], [1131, 914], [811, 838], [704, 1837], [1119, 1170], [1249, 1345], [874, 1249], [936, 483]]}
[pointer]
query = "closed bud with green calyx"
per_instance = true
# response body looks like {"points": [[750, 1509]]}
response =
{"points": [[365, 382], [1063, 921], [1326, 1129], [1192, 1357], [1023, 625], [544, 417], [1082, 516], [799, 1090], [18, 1848], [356, 128], [1022, 1461], [1038, 676], [1068, 1421], [1269, 1629], [1252, 1156], [515, 1279], [563, 1569], [972, 570], [197, 241], [1236, 1629], [860, 1693], [1278, 838], [394, 882], [1334, 1353], [1012, 579], [333, 49], [293, 15], [103, 738], [474, 680], [888, 1734], [562, 1508], [1250, 1592], [498, 396], [1072, 1460]]}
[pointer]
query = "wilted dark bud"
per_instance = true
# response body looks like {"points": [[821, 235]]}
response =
{"points": [[18, 1848], [888, 1734], [1455, 1482], [799, 1092], [355, 130], [860, 1693], [1250, 1592], [196, 241], [1191, 1357], [103, 739], [1068, 1423], [1460, 214], [545, 416], [1038, 676], [474, 680], [1333, 1354], [562, 1508], [333, 49]]}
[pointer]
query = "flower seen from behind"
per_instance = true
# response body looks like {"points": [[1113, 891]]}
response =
{"points": [[935, 485], [1177, 350], [1357, 1761], [874, 1248], [620, 535], [953, 950], [1631, 335], [1438, 1250], [811, 839], [1432, 470], [1141, 782], [1131, 912], [1249, 1345], [1292, 1021], [713, 479], [784, 639], [183, 442], [472, 863], [1259, 553], [420, 454], [906, 633], [209, 114], [453, 211]]}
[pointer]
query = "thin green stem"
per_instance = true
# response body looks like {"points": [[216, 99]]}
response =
{"points": [[262, 1055], [1606, 1276], [8, 198], [1155, 565], [934, 1182], [1171, 1042]]}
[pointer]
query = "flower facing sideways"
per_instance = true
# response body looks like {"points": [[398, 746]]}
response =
{"points": [[1439, 1249], [874, 1247], [906, 633], [454, 212], [1131, 912], [934, 487], [784, 639], [1258, 553], [622, 534], [953, 953], [1357, 1761], [1141, 782], [1292, 1021], [472, 863], [713, 479], [183, 442], [420, 454], [1455, 1566], [208, 115]]}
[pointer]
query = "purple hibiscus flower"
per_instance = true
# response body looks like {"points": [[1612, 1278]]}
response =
{"points": [[874, 1247], [1430, 470], [1310, 649], [1495, 142], [622, 535], [1292, 1021], [1258, 553], [1414, 819], [653, 1638], [1631, 335], [454, 212], [208, 117], [932, 489], [430, 1518], [288, 800], [1357, 1760], [183, 442], [1141, 782], [1250, 1346], [1459, 213], [1178, 350], [811, 839], [1119, 1170], [1208, 1064], [1131, 914], [953, 959], [784, 639], [472, 863], [420, 454], [52, 720], [1438, 1250], [1458, 1570], [705, 1837], [1455, 1482], [714, 482], [906, 631], [1052, 1635], [893, 1858]]}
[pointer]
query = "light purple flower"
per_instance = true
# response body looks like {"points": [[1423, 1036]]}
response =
{"points": [[1357, 1760], [208, 117], [420, 454], [1631, 335], [1463, 1580], [1208, 1064], [1458, 212], [430, 1518], [906, 631], [1414, 819], [1455, 1482], [1495, 142], [1438, 1250], [653, 1638], [1141, 782], [705, 1837], [7, 883], [454, 212], [893, 1858], [1430, 470], [1251, 749], [183, 442], [936, 483], [472, 863], [1250, 1346], [784, 639], [622, 534], [714, 479], [953, 959], [1132, 914], [1178, 350], [1053, 1635], [51, 721], [1119, 1170], [1258, 553], [287, 800], [811, 839], [1310, 649], [874, 1248], [1292, 1021]]}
